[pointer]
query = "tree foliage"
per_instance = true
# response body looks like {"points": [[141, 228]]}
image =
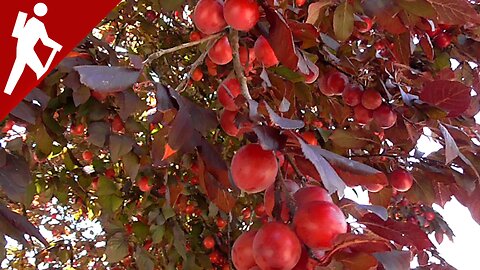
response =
{"points": [[130, 133]]}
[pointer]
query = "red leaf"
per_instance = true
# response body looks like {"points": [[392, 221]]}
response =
{"points": [[451, 96], [404, 233], [456, 12], [402, 48], [281, 38], [427, 46]]}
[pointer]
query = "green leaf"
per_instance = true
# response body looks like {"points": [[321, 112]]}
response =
{"points": [[157, 233], [420, 8], [343, 21], [288, 74], [119, 146], [131, 164], [171, 5], [110, 203], [346, 139], [143, 260], [117, 248], [106, 186], [180, 241], [43, 140], [140, 230]]}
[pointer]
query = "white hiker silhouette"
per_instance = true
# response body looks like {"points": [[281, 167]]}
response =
{"points": [[28, 35]]}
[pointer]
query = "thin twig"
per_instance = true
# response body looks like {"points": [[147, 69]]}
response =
{"points": [[182, 86], [237, 65], [295, 168], [152, 57]]}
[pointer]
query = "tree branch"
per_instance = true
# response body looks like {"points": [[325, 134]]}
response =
{"points": [[154, 56], [237, 65]]}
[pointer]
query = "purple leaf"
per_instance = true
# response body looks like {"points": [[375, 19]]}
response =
{"points": [[16, 225], [15, 177], [282, 122], [107, 79]]}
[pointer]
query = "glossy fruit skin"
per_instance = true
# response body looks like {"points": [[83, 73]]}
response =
{"points": [[371, 99], [429, 216], [242, 251], [401, 180], [227, 92], [311, 194], [384, 116], [276, 247], [300, 3], [195, 36], [208, 16], [333, 83], [374, 187], [265, 53], [318, 223], [117, 124], [362, 115], [75, 130], [241, 15], [197, 75], [442, 40], [364, 26], [87, 156], [221, 223], [143, 184], [352, 95], [254, 169], [227, 122], [209, 242], [221, 52]]}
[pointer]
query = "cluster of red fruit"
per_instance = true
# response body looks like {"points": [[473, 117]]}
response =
{"points": [[316, 222], [367, 104], [211, 16], [441, 38], [400, 179]]}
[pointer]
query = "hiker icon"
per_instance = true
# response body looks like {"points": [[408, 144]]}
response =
{"points": [[28, 33]]}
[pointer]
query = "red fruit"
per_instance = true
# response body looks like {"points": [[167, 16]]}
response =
{"points": [[352, 95], [117, 124], [365, 25], [221, 223], [208, 16], [260, 210], [242, 251], [221, 52], [300, 3], [304, 261], [362, 115], [311, 194], [144, 185], [129, 229], [9, 125], [195, 36], [318, 223], [227, 122], [384, 116], [246, 213], [241, 15], [280, 158], [87, 156], [197, 74], [75, 130], [276, 247], [374, 187], [429, 216], [309, 137], [209, 242], [442, 40], [215, 257], [110, 173], [190, 209], [265, 53], [333, 83], [401, 180], [227, 92], [151, 15], [246, 55], [254, 169], [371, 99]]}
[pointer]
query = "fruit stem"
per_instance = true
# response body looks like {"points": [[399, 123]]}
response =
{"points": [[237, 65], [154, 56]]}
